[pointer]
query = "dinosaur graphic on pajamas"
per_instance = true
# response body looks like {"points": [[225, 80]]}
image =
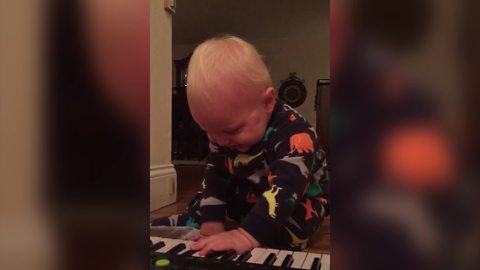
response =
{"points": [[252, 198], [308, 209], [271, 200], [296, 241], [192, 224], [244, 160], [271, 178], [302, 143], [211, 201], [269, 132], [299, 162]]}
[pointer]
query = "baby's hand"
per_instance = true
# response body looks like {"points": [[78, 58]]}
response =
{"points": [[211, 228], [197, 236], [238, 240]]}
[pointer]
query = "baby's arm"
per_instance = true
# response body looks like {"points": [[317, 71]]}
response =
{"points": [[213, 203], [211, 228]]}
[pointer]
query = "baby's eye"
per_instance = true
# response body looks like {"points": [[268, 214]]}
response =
{"points": [[234, 131]]}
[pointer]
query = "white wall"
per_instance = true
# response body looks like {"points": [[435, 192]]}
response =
{"points": [[162, 173]]}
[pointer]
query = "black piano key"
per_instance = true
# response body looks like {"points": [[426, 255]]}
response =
{"points": [[189, 253], [244, 257], [287, 262], [229, 256], [316, 264], [157, 245], [215, 254], [270, 259], [176, 249]]}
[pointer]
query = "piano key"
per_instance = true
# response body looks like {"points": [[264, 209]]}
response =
{"points": [[229, 256], [316, 264], [169, 243], [307, 263], [281, 257], [215, 254], [261, 259], [188, 253], [298, 258], [177, 248], [244, 257], [155, 239], [197, 254], [325, 262], [287, 262], [270, 259], [256, 254], [156, 243]]}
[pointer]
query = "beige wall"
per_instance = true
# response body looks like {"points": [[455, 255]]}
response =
{"points": [[160, 84], [299, 43]]}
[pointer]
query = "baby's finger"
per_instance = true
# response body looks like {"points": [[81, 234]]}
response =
{"points": [[199, 244], [196, 237], [217, 244], [207, 247]]}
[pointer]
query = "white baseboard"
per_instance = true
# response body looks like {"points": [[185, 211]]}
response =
{"points": [[163, 186]]}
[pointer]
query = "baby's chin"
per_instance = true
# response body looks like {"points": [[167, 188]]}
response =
{"points": [[241, 148]]}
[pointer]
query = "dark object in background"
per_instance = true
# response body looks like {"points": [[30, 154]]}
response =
{"points": [[322, 109], [292, 90], [189, 141]]}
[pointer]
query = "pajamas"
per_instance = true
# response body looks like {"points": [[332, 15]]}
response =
{"points": [[277, 191]]}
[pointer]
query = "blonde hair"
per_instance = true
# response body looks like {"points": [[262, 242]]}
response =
{"points": [[228, 58]]}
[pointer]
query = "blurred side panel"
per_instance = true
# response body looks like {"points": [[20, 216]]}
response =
{"points": [[404, 140], [25, 230], [97, 112]]}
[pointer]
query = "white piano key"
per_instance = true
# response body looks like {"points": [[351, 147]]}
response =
{"points": [[256, 253], [307, 263], [325, 262], [264, 256], [281, 256], [197, 254], [169, 243], [155, 239], [298, 258]]}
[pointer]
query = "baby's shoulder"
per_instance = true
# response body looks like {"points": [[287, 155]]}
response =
{"points": [[290, 133], [286, 121]]}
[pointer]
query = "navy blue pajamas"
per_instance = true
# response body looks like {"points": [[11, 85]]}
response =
{"points": [[277, 191]]}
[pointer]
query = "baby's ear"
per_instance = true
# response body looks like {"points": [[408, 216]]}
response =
{"points": [[269, 99]]}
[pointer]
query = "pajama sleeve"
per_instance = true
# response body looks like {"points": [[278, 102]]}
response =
{"points": [[213, 202]]}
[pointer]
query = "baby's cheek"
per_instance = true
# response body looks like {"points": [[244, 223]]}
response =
{"points": [[252, 138]]}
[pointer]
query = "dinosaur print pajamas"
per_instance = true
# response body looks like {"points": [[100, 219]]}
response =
{"points": [[278, 191]]}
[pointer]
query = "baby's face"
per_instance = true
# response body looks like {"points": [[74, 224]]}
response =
{"points": [[238, 131], [234, 122]]}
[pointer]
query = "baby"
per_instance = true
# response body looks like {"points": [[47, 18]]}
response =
{"points": [[265, 167]]}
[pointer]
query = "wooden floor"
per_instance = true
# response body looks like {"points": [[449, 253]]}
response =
{"points": [[189, 182]]}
